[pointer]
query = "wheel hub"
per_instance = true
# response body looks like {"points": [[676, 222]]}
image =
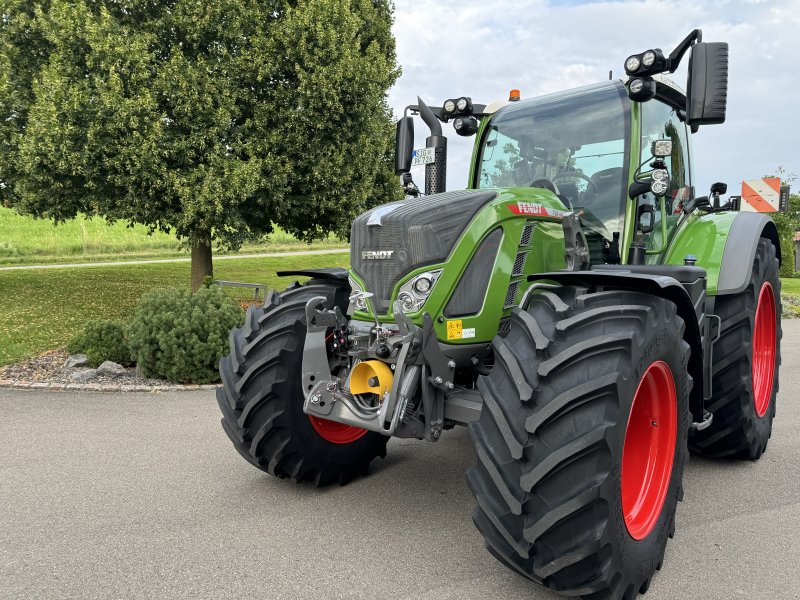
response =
{"points": [[649, 450]]}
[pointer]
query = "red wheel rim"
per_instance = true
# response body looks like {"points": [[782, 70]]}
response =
{"points": [[336, 433], [764, 349], [649, 450]]}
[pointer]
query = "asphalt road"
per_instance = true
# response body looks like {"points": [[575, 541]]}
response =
{"points": [[142, 496]]}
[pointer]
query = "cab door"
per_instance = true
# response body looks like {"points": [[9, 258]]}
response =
{"points": [[660, 121]]}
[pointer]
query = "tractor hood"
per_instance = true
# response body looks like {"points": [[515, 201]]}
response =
{"points": [[392, 240]]}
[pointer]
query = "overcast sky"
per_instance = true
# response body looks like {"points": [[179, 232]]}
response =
{"points": [[483, 49]]}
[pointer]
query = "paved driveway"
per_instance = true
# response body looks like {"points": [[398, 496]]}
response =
{"points": [[142, 496]]}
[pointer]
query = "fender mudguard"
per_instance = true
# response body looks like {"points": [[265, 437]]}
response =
{"points": [[330, 273], [725, 245], [688, 295]]}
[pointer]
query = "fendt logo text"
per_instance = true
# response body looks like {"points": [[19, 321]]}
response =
{"points": [[376, 254]]}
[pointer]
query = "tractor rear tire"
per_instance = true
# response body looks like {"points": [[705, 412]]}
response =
{"points": [[584, 386], [261, 397], [745, 365]]}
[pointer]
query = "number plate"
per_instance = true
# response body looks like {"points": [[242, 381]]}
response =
{"points": [[423, 156]]}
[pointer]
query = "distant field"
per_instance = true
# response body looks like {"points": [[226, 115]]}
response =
{"points": [[42, 309], [25, 240]]}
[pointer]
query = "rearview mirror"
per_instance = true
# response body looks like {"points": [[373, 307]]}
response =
{"points": [[707, 86], [647, 218], [404, 145]]}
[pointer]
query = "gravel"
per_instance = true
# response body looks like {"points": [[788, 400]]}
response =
{"points": [[48, 368]]}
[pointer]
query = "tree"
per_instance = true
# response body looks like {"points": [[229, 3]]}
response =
{"points": [[215, 119]]}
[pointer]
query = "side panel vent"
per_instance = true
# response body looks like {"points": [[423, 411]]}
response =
{"points": [[511, 295], [467, 299], [519, 264], [527, 234]]}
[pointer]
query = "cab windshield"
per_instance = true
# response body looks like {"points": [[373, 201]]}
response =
{"points": [[573, 143]]}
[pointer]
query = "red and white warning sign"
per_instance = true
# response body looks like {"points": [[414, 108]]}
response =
{"points": [[761, 195]]}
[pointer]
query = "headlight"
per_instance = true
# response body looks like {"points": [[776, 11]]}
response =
{"points": [[415, 291], [449, 106], [659, 175], [461, 104], [649, 58], [632, 64], [637, 85], [358, 298], [659, 188], [407, 302]]}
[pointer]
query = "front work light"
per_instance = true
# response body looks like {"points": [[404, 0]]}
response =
{"points": [[466, 126], [632, 65], [641, 89], [662, 148], [457, 107]]}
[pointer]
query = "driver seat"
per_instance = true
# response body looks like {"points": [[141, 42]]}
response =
{"points": [[604, 195]]}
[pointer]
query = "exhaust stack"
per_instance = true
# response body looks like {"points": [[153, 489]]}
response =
{"points": [[435, 172]]}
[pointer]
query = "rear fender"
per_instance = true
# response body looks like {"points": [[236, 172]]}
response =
{"points": [[725, 245]]}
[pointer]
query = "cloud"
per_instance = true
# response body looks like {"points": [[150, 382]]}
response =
{"points": [[483, 50]]}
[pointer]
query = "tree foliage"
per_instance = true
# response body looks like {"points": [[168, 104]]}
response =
{"points": [[216, 119]]}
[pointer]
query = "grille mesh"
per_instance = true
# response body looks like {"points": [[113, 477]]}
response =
{"points": [[519, 264], [527, 234], [511, 295], [417, 232]]}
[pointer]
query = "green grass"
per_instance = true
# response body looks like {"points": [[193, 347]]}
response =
{"points": [[790, 286], [25, 240], [42, 309]]}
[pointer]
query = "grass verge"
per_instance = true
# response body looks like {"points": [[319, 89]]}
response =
{"points": [[42, 309], [28, 241]]}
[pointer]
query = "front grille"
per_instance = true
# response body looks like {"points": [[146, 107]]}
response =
{"points": [[519, 264], [407, 235], [511, 295]]}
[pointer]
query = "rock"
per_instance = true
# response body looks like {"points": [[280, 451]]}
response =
{"points": [[83, 375], [111, 369], [76, 360]]}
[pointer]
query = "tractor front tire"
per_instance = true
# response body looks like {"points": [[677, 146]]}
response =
{"points": [[261, 397], [582, 441], [745, 365]]}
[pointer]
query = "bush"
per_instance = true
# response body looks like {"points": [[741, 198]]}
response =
{"points": [[101, 341], [791, 306], [180, 336]]}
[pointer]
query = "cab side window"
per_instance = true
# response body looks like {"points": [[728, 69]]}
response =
{"points": [[660, 122]]}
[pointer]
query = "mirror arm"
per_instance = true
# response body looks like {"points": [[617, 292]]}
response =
{"points": [[676, 55]]}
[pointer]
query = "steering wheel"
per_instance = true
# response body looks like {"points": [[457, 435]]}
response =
{"points": [[545, 183], [589, 181]]}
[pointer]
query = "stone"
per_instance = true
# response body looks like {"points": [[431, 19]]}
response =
{"points": [[76, 360], [83, 375], [111, 369]]}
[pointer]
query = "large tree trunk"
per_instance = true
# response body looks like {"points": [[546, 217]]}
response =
{"points": [[202, 266]]}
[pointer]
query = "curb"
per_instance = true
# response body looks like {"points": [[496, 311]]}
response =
{"points": [[100, 387]]}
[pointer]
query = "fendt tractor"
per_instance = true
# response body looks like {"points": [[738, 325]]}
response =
{"points": [[578, 307]]}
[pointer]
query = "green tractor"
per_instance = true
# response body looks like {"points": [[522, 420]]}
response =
{"points": [[578, 307]]}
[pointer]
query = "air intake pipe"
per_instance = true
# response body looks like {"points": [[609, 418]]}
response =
{"points": [[435, 172]]}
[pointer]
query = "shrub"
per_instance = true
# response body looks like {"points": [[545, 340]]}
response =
{"points": [[791, 306], [101, 341], [180, 336]]}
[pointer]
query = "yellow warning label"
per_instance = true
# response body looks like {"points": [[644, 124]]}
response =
{"points": [[454, 329]]}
